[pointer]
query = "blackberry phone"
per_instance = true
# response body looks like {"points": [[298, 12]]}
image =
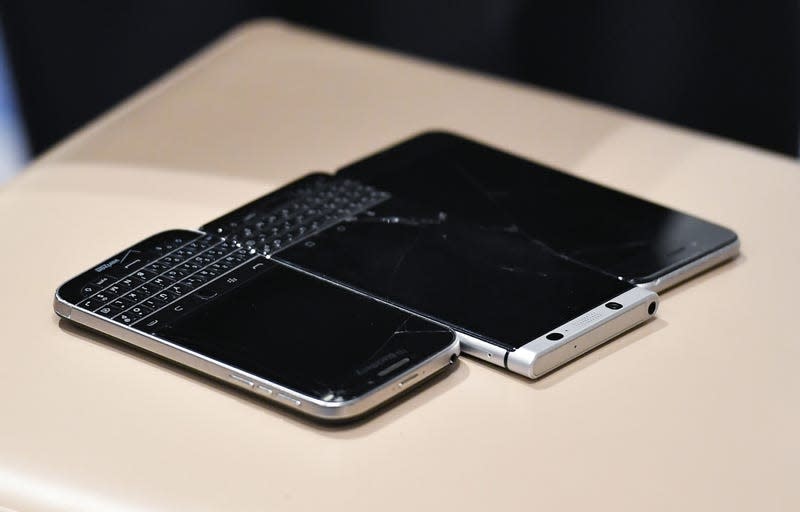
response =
{"points": [[512, 300], [222, 306], [643, 243]]}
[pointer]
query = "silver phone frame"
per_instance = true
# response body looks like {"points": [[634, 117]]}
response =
{"points": [[580, 335], [259, 386], [694, 267]]}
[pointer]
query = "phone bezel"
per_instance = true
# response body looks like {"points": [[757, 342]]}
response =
{"points": [[431, 142], [262, 387], [583, 333], [329, 411]]}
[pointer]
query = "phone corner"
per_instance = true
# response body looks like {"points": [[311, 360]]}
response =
{"points": [[61, 307]]}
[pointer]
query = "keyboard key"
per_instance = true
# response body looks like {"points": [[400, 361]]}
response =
{"points": [[158, 267], [136, 295], [153, 322], [104, 297], [190, 267], [149, 270], [125, 318], [176, 274], [153, 304], [179, 289], [159, 282], [123, 302], [132, 315], [139, 311], [166, 295], [171, 260], [140, 276], [223, 265], [102, 281], [147, 290], [207, 241], [216, 268], [91, 304], [214, 253], [126, 284], [199, 279], [108, 310], [115, 289], [192, 282], [90, 289]]}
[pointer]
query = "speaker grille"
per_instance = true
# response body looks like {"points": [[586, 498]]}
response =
{"points": [[586, 319]]}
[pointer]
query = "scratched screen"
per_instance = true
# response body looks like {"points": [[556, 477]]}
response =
{"points": [[439, 246]]}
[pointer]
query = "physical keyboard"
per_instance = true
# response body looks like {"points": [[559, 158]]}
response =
{"points": [[160, 271], [301, 209], [175, 272]]}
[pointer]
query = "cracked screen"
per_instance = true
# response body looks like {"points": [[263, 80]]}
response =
{"points": [[308, 335], [603, 228], [448, 251]]}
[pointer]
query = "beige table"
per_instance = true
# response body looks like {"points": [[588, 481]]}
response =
{"points": [[696, 410]]}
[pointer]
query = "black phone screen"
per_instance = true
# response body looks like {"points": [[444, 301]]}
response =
{"points": [[603, 228], [460, 261], [307, 334]]}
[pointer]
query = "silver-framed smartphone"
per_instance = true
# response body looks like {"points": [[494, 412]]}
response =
{"points": [[644, 243], [512, 300], [209, 304], [498, 288]]}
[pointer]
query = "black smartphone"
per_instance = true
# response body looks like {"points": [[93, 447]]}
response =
{"points": [[210, 304], [626, 237], [511, 300]]}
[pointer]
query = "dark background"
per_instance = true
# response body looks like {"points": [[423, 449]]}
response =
{"points": [[726, 68]]}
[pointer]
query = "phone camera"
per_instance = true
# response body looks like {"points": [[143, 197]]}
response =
{"points": [[554, 336], [613, 305]]}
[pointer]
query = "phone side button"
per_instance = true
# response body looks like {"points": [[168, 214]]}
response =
{"points": [[407, 380], [241, 380], [264, 390], [296, 403]]}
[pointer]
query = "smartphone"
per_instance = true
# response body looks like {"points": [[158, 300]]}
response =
{"points": [[643, 243], [513, 301], [207, 303]]}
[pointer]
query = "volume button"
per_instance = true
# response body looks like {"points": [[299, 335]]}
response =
{"points": [[241, 380], [289, 399]]}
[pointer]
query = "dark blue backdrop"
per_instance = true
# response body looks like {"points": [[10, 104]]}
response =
{"points": [[728, 68]]}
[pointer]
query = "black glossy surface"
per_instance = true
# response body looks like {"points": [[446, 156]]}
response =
{"points": [[613, 232], [261, 317], [294, 212], [308, 335], [122, 264], [464, 264]]}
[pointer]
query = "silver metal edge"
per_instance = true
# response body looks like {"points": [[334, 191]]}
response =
{"points": [[693, 268], [596, 326], [484, 350], [332, 411]]}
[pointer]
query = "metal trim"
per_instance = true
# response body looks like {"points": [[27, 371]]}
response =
{"points": [[596, 326], [693, 268], [272, 391]]}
